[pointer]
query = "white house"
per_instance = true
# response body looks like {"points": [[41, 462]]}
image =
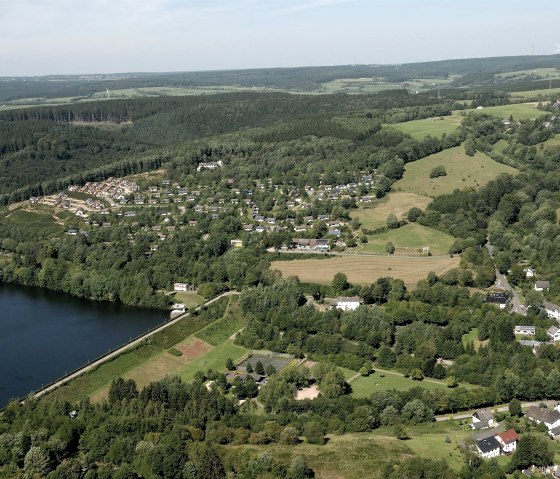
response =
{"points": [[554, 333], [508, 440], [542, 285], [347, 303], [550, 417], [482, 419], [529, 272], [525, 330], [180, 286], [488, 447], [552, 310]]}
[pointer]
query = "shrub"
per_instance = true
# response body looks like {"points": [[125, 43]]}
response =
{"points": [[174, 352], [438, 171]]}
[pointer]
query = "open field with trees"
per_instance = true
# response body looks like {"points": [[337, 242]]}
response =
{"points": [[463, 172], [519, 111], [436, 126], [411, 235], [366, 386], [363, 269], [395, 202]]}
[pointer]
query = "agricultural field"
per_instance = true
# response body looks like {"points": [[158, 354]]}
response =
{"points": [[539, 73], [463, 172], [411, 235], [436, 127], [535, 93], [363, 387], [397, 203], [364, 269], [519, 111]]}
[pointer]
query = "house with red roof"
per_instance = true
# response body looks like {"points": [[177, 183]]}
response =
{"points": [[508, 440]]}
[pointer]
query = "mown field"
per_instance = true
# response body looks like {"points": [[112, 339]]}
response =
{"points": [[411, 235], [519, 111], [366, 386], [436, 127], [189, 298], [463, 172], [397, 203], [364, 269]]}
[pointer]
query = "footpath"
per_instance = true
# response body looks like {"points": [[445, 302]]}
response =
{"points": [[116, 352]]}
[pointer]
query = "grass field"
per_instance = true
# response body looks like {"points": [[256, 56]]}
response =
{"points": [[436, 127], [519, 111], [472, 337], [347, 456], [411, 235], [364, 387], [554, 142], [217, 332], [42, 224], [397, 203], [462, 172], [363, 269], [189, 298], [535, 93]]}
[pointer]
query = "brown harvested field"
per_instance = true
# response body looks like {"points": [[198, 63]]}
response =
{"points": [[192, 348], [362, 269]]}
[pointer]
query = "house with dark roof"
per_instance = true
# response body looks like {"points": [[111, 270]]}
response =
{"points": [[549, 417], [508, 440], [498, 298], [542, 285], [488, 447]]}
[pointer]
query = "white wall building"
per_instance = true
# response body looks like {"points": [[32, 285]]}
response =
{"points": [[347, 303]]}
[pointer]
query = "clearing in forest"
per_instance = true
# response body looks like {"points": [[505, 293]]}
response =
{"points": [[397, 203], [463, 172], [437, 126], [411, 235], [364, 269]]}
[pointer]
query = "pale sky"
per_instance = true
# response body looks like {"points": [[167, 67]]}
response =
{"points": [[39, 37]]}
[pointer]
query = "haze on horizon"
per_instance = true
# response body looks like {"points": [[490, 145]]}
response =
{"points": [[40, 37]]}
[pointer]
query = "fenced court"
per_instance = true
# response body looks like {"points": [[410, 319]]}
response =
{"points": [[277, 360]]}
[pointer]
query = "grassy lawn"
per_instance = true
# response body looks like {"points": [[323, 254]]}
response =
{"points": [[472, 337], [347, 456], [428, 440], [217, 332], [215, 359], [463, 172], [364, 387], [411, 235], [436, 127], [397, 203], [519, 111], [363, 269], [189, 298]]}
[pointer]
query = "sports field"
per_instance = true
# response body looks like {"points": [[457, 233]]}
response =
{"points": [[364, 269], [436, 127], [397, 203], [412, 235], [463, 172]]}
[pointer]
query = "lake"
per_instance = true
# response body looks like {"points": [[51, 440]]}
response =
{"points": [[44, 335]]}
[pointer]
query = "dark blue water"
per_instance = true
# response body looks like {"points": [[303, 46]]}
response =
{"points": [[43, 335]]}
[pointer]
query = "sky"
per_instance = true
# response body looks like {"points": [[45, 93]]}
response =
{"points": [[39, 37]]}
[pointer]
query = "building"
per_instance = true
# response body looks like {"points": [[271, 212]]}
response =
{"points": [[483, 419], [508, 441], [236, 243], [529, 272], [180, 287], [211, 165], [549, 417], [552, 310], [488, 447], [525, 330], [499, 299], [554, 333], [542, 285], [347, 303]]}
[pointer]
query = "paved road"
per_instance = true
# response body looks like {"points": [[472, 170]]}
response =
{"points": [[501, 280], [122, 349]]}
